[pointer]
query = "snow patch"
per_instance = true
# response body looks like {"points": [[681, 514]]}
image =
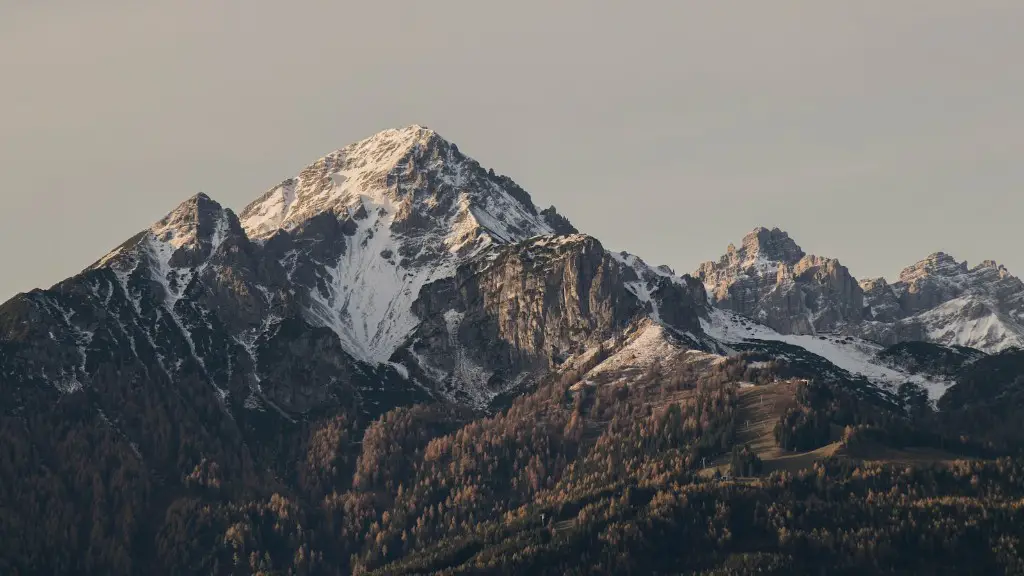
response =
{"points": [[950, 324], [272, 211], [401, 369], [854, 355], [369, 297]]}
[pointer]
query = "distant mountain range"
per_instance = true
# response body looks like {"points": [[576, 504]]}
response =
{"points": [[939, 300]]}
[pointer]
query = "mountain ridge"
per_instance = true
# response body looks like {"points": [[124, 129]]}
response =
{"points": [[938, 299], [361, 236], [355, 244]]}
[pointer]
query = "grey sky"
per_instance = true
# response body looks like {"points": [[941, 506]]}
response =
{"points": [[873, 131]]}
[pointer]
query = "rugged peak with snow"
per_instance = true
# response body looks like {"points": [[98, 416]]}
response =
{"points": [[185, 238], [198, 224], [942, 300], [364, 228], [771, 279], [421, 183], [938, 299], [761, 249], [398, 255]]}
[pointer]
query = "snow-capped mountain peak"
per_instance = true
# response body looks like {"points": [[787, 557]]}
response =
{"points": [[412, 208], [196, 222], [186, 237], [347, 244], [417, 177], [771, 279], [334, 182]]}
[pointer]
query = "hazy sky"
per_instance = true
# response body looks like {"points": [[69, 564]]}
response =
{"points": [[874, 131]]}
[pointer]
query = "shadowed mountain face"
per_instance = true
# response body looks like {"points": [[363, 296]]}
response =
{"points": [[396, 344]]}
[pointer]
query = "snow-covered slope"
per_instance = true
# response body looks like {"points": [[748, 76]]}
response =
{"points": [[644, 348], [854, 355], [647, 345], [373, 241]]}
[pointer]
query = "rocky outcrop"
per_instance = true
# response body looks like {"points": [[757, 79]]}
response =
{"points": [[770, 279], [880, 301], [521, 310], [559, 224]]}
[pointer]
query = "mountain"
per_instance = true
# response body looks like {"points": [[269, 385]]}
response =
{"points": [[414, 208], [770, 279], [394, 362], [938, 300], [942, 300], [410, 251], [404, 249], [430, 272]]}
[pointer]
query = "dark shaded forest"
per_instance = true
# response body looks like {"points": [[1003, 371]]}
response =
{"points": [[570, 478]]}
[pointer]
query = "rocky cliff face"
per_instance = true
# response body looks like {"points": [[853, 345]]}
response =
{"points": [[770, 279], [518, 312], [521, 310], [938, 300]]}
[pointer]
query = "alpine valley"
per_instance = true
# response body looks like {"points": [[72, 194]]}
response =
{"points": [[395, 363]]}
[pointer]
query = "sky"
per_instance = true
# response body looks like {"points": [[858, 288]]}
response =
{"points": [[875, 132]]}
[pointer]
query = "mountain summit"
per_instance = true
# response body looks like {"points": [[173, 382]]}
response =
{"points": [[766, 245], [770, 279], [420, 180], [413, 208]]}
